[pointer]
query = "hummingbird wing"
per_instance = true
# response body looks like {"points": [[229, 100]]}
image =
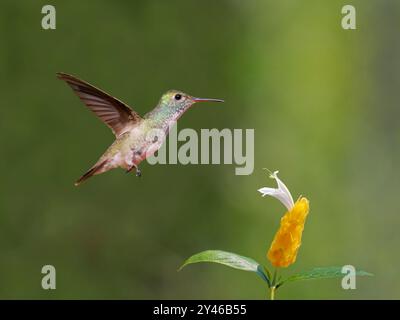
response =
{"points": [[113, 112]]}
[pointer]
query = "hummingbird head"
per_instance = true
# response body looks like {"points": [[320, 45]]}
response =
{"points": [[178, 102]]}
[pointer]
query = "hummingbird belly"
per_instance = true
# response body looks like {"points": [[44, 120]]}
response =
{"points": [[131, 148], [143, 144]]}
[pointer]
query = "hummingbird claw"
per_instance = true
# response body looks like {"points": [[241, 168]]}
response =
{"points": [[138, 171]]}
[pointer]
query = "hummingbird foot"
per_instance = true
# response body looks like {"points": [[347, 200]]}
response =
{"points": [[138, 171]]}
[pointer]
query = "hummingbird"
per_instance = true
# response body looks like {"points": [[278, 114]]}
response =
{"points": [[132, 144]]}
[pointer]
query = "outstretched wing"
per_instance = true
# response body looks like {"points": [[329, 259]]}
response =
{"points": [[113, 112]]}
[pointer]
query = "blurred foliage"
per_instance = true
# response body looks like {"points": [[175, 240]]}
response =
{"points": [[324, 105]]}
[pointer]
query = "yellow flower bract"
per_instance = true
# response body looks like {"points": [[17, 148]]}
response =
{"points": [[287, 241]]}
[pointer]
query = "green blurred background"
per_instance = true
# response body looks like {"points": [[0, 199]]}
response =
{"points": [[324, 105]]}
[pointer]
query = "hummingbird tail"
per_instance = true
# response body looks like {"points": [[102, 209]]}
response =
{"points": [[92, 171]]}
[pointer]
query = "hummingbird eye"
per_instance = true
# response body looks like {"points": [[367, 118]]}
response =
{"points": [[178, 96]]}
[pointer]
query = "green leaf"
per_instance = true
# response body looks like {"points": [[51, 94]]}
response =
{"points": [[321, 273], [264, 274], [229, 259]]}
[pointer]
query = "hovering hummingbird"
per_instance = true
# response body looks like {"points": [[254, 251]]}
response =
{"points": [[131, 145]]}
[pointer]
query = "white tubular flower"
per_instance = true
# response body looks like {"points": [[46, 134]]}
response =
{"points": [[281, 193]]}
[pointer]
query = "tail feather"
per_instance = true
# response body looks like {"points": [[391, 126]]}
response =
{"points": [[91, 172]]}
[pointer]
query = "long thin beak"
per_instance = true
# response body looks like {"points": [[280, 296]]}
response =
{"points": [[207, 100]]}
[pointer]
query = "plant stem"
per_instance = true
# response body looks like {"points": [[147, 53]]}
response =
{"points": [[273, 293], [273, 285], [274, 277]]}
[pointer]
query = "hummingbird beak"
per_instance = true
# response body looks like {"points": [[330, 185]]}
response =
{"points": [[206, 100]]}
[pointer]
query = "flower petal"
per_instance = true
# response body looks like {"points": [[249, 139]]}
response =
{"points": [[287, 240], [281, 193]]}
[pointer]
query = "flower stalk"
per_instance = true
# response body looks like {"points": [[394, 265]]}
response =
{"points": [[273, 286], [272, 296]]}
